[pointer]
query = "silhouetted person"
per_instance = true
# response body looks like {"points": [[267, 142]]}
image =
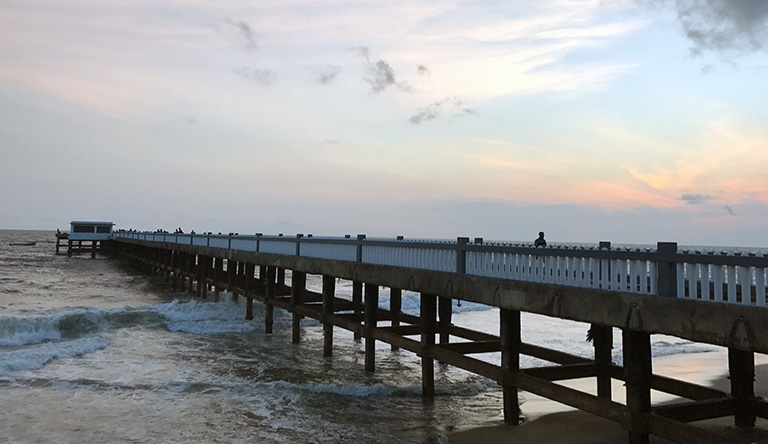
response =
{"points": [[540, 241]]}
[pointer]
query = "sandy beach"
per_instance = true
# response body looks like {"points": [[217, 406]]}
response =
{"points": [[553, 423]]}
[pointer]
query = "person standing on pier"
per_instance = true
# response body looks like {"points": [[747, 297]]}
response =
{"points": [[540, 241]]}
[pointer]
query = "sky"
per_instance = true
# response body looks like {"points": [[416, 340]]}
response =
{"points": [[630, 121]]}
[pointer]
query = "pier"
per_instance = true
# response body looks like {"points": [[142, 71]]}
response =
{"points": [[84, 237], [706, 297]]}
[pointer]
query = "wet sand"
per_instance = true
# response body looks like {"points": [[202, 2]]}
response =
{"points": [[553, 423]]}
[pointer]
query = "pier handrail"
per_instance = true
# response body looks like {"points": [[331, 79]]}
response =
{"points": [[726, 276]]}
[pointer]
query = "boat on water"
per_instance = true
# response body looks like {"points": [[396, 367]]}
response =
{"points": [[22, 244]]}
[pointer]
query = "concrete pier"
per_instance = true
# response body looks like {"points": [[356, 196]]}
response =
{"points": [[637, 306]]}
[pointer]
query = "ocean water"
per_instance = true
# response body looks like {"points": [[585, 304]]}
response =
{"points": [[93, 351]]}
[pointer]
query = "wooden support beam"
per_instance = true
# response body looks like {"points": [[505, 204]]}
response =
{"points": [[248, 293], [568, 396], [429, 326], [509, 341], [550, 355], [395, 308], [191, 272], [298, 282], [445, 311], [385, 335], [741, 366], [357, 301], [698, 410], [218, 273], [679, 388], [404, 330], [231, 270], [262, 275], [329, 291], [371, 319], [602, 341], [269, 296], [201, 288], [563, 372], [637, 371], [466, 348], [342, 305], [683, 433]]}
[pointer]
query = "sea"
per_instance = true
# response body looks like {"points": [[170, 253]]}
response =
{"points": [[93, 351]]}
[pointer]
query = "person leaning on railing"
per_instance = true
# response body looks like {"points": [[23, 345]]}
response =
{"points": [[540, 241]]}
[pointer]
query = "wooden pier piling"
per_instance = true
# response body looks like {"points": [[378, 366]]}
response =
{"points": [[329, 293], [428, 318], [371, 321]]}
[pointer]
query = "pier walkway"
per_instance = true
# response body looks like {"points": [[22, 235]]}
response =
{"points": [[707, 297]]}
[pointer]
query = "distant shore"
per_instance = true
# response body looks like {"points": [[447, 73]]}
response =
{"points": [[553, 423]]}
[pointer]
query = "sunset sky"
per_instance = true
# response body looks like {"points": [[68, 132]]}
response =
{"points": [[630, 121]]}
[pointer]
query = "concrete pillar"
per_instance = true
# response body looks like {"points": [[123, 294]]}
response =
{"points": [[231, 270], [395, 308], [428, 319], [329, 292], [741, 367], [509, 338], [269, 296], [191, 270], [357, 302], [199, 274], [637, 376], [298, 282], [445, 310], [602, 340], [249, 272], [218, 274], [371, 318]]}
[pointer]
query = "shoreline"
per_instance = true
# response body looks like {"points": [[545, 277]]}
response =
{"points": [[555, 423]]}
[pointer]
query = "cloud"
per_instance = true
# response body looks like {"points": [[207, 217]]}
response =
{"points": [[256, 76], [729, 210], [381, 74], [694, 199], [189, 119], [245, 33], [739, 26], [422, 70], [324, 78], [451, 105]]}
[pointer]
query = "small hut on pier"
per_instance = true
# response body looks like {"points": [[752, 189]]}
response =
{"points": [[85, 236]]}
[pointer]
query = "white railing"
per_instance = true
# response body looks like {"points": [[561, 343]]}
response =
{"points": [[722, 277], [429, 255], [732, 277], [334, 248], [574, 266]]}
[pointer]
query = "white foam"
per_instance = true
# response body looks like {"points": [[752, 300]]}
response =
{"points": [[206, 317], [37, 356]]}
